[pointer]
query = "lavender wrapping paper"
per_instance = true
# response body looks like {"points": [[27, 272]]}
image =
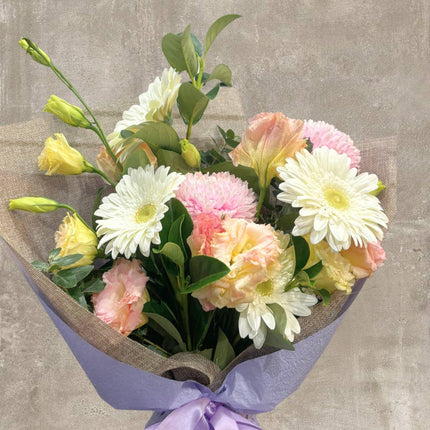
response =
{"points": [[252, 387]]}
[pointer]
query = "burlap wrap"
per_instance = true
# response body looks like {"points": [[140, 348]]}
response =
{"points": [[32, 235]]}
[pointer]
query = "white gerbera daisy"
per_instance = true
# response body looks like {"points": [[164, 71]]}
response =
{"points": [[256, 317], [335, 202], [131, 217], [156, 103]]}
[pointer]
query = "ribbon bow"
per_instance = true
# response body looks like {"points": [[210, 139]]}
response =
{"points": [[204, 414]]}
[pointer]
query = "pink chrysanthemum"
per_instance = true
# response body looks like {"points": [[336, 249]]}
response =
{"points": [[220, 194], [322, 134]]}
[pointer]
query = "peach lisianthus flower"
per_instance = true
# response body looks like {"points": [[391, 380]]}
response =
{"points": [[366, 259], [269, 139], [251, 251], [120, 304], [205, 227], [74, 237]]}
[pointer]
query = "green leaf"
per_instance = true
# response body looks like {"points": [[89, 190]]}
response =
{"points": [[125, 134], [76, 293], [224, 352], [173, 252], [286, 221], [191, 103], [137, 158], [314, 270], [40, 265], [198, 46], [216, 29], [189, 52], [207, 353], [325, 296], [175, 233], [277, 340], [174, 160], [176, 210], [69, 278], [213, 92], [204, 270], [160, 309], [222, 73], [168, 327], [54, 254], [158, 135], [94, 286], [67, 260], [245, 173], [301, 249], [172, 49]]}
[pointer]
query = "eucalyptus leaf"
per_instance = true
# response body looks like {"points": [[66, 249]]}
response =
{"points": [[54, 254], [168, 327], [204, 270], [191, 103], [77, 294], [216, 29], [224, 352], [222, 73]]}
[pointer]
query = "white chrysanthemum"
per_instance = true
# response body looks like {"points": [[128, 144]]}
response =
{"points": [[131, 217], [156, 103], [335, 202], [256, 317]]}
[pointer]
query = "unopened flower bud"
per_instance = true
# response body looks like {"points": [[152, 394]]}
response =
{"points": [[68, 113], [190, 153], [35, 52], [380, 188], [33, 204]]}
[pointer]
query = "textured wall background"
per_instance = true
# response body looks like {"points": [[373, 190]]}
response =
{"points": [[363, 66]]}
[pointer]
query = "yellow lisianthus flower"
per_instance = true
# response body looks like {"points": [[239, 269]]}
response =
{"points": [[336, 273], [59, 158], [74, 237]]}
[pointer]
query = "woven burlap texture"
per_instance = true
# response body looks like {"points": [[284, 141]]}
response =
{"points": [[32, 235]]}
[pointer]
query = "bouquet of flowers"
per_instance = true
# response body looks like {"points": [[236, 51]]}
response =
{"points": [[198, 271]]}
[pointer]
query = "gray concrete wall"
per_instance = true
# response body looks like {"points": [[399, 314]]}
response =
{"points": [[361, 65]]}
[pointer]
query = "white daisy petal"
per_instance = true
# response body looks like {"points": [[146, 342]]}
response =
{"points": [[335, 202], [131, 217]]}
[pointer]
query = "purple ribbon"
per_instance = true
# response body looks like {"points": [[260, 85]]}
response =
{"points": [[203, 414], [253, 386]]}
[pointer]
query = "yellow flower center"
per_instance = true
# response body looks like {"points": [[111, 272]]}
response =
{"points": [[265, 288], [336, 199], [145, 213]]}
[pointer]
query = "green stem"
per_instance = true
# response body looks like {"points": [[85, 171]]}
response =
{"points": [[190, 125], [61, 205], [156, 346], [202, 69], [261, 198], [98, 128], [99, 172]]}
